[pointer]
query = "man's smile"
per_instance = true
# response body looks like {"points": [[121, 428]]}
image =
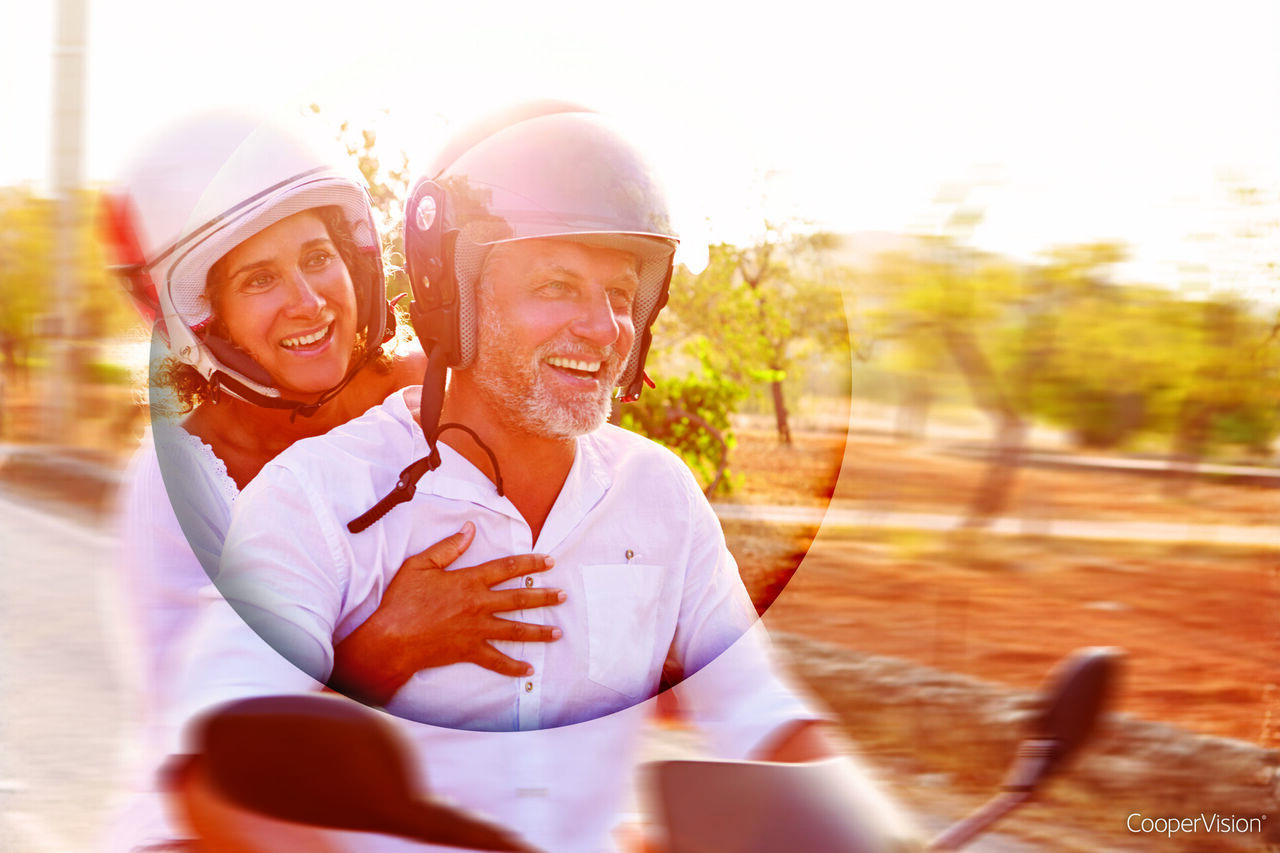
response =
{"points": [[577, 367]]}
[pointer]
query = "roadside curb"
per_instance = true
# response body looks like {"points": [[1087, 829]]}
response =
{"points": [[1258, 475], [838, 516]]}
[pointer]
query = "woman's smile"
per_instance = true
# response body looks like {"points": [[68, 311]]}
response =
{"points": [[310, 339]]}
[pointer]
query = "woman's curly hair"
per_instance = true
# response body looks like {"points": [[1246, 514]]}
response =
{"points": [[185, 388]]}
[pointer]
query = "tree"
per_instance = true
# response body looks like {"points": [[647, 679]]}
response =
{"points": [[1131, 360], [26, 288], [1079, 322], [760, 308], [1230, 388], [1061, 341], [963, 300], [690, 415], [26, 246], [388, 188], [760, 266]]}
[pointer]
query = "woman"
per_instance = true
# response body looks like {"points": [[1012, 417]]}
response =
{"points": [[258, 261]]}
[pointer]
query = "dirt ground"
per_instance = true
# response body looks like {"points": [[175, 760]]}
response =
{"points": [[1200, 625]]}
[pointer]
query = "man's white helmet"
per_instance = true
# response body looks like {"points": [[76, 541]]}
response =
{"points": [[198, 190], [535, 170]]}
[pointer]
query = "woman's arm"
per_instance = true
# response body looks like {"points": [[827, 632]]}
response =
{"points": [[431, 617]]}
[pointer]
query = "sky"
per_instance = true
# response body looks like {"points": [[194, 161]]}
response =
{"points": [[1063, 122]]}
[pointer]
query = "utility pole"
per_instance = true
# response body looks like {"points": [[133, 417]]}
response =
{"points": [[68, 131]]}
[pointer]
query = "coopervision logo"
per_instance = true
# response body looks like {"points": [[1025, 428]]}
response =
{"points": [[1168, 826]]}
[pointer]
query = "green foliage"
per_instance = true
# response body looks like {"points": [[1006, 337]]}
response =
{"points": [[105, 373], [26, 252], [1135, 361], [677, 413], [28, 228], [1059, 341], [760, 315], [1252, 428], [730, 340], [388, 186]]}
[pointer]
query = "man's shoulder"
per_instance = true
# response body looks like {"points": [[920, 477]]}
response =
{"points": [[622, 451], [381, 438], [615, 441]]}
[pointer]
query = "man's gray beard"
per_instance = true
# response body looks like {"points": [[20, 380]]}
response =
{"points": [[516, 391]]}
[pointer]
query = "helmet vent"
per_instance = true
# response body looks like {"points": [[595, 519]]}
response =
{"points": [[468, 261]]}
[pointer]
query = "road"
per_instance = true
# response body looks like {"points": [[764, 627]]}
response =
{"points": [[838, 515], [65, 722]]}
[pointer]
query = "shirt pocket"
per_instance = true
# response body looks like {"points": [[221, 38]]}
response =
{"points": [[622, 601]]}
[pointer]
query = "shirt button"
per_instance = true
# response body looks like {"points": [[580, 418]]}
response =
{"points": [[528, 582], [528, 687]]}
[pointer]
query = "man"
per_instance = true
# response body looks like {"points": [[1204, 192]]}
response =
{"points": [[540, 254]]}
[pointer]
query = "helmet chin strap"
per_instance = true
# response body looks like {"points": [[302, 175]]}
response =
{"points": [[220, 381], [226, 352], [429, 410]]}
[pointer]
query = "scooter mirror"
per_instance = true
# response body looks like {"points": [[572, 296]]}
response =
{"points": [[1076, 690], [329, 762]]}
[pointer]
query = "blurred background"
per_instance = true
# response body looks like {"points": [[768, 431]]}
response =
{"points": [[977, 316]]}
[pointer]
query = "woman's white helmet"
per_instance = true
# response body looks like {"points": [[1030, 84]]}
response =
{"points": [[198, 190]]}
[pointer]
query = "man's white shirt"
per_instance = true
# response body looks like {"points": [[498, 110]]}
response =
{"points": [[637, 550]]}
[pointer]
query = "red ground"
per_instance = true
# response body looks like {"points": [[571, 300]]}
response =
{"points": [[1200, 625]]}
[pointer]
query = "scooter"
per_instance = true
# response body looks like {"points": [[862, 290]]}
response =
{"points": [[286, 757]]}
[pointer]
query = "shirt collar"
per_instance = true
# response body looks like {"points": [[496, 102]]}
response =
{"points": [[589, 480]]}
